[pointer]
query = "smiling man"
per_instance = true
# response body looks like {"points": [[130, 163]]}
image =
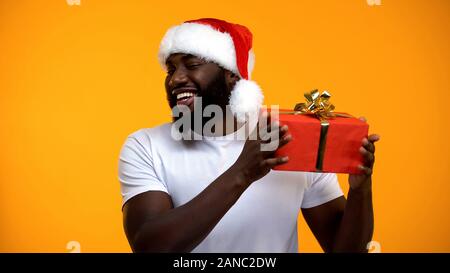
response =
{"points": [[219, 193]]}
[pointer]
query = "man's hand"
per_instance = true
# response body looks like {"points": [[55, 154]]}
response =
{"points": [[367, 149], [347, 225], [254, 163]]}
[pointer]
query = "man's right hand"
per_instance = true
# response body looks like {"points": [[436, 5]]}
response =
{"points": [[254, 163]]}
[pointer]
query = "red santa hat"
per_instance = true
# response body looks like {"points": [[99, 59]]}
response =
{"points": [[226, 44]]}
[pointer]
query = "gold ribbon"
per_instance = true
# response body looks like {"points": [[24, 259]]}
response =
{"points": [[318, 104]]}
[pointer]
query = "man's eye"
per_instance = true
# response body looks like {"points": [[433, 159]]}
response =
{"points": [[193, 66]]}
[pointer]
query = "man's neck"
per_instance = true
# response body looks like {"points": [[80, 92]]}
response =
{"points": [[228, 126]]}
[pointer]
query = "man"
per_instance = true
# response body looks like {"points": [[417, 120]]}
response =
{"points": [[219, 193]]}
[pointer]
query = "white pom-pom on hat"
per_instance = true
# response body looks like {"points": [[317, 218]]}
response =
{"points": [[246, 100]]}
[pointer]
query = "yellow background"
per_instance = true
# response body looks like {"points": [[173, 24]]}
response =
{"points": [[76, 80]]}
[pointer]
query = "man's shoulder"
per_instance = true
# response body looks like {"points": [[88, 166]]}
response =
{"points": [[152, 134], [162, 129]]}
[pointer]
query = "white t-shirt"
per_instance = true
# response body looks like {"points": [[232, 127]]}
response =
{"points": [[264, 219]]}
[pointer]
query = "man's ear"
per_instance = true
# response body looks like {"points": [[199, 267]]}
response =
{"points": [[231, 78]]}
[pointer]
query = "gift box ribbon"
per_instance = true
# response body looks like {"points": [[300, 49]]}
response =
{"points": [[318, 105]]}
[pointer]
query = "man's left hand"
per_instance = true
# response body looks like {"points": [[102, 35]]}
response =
{"points": [[364, 181]]}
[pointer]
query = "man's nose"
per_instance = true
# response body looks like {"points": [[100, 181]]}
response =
{"points": [[179, 77]]}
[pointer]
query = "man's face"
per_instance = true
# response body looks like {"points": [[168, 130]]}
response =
{"points": [[189, 76]]}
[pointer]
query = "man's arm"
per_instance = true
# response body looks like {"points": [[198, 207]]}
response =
{"points": [[324, 221], [347, 226], [343, 225], [356, 228], [153, 225]]}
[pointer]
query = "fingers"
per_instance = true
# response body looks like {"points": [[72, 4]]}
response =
{"points": [[261, 126], [271, 134], [285, 139], [369, 157], [264, 120], [273, 131], [368, 142], [272, 162], [263, 123], [276, 138], [366, 170], [368, 152], [369, 146], [374, 138]]}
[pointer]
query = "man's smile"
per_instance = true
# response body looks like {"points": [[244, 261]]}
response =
{"points": [[185, 98], [184, 95]]}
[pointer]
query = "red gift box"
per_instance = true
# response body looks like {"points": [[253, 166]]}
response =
{"points": [[318, 147]]}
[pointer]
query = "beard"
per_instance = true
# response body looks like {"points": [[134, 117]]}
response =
{"points": [[216, 93]]}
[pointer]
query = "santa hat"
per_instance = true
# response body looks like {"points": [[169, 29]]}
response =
{"points": [[226, 44]]}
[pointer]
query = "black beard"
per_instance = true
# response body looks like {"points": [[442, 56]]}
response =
{"points": [[216, 93]]}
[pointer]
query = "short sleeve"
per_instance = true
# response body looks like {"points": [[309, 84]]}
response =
{"points": [[323, 188], [136, 169]]}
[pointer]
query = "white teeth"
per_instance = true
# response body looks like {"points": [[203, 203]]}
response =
{"points": [[184, 95]]}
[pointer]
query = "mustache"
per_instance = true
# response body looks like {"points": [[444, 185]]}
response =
{"points": [[177, 90], [216, 92]]}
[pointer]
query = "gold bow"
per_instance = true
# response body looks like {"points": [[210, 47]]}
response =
{"points": [[317, 104]]}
